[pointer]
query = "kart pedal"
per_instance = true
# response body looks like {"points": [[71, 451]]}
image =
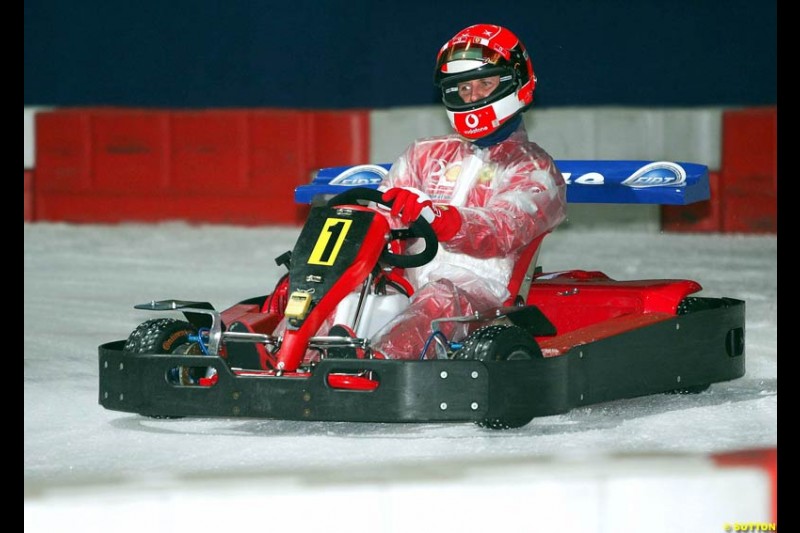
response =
{"points": [[242, 354], [344, 352]]}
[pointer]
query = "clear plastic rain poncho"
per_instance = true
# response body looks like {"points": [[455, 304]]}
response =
{"points": [[508, 194]]}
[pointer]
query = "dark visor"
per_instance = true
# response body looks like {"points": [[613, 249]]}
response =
{"points": [[453, 98]]}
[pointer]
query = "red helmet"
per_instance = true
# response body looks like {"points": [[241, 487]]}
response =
{"points": [[477, 52]]}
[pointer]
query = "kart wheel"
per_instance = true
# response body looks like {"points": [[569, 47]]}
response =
{"points": [[691, 390], [500, 343], [502, 423], [167, 336], [159, 335]]}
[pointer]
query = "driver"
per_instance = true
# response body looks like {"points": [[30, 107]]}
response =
{"points": [[487, 190]]}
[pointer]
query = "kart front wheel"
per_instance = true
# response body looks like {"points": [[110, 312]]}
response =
{"points": [[167, 336], [500, 343], [159, 335]]}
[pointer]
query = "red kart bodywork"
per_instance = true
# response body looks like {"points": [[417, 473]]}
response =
{"points": [[593, 339]]}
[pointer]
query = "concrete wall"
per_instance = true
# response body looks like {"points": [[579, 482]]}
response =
{"points": [[682, 134]]}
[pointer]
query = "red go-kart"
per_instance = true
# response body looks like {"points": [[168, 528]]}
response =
{"points": [[563, 340]]}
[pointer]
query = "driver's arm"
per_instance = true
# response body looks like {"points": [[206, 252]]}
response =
{"points": [[529, 201], [525, 198]]}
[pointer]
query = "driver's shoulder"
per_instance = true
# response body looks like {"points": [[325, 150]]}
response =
{"points": [[437, 141]]}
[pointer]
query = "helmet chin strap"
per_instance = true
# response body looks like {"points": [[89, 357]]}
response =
{"points": [[500, 134]]}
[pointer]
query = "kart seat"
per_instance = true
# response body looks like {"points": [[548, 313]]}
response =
{"points": [[522, 275]]}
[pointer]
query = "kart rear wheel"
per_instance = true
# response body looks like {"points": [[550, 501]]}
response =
{"points": [[166, 336], [691, 390], [500, 343]]}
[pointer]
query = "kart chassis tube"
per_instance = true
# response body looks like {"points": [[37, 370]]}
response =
{"points": [[686, 351]]}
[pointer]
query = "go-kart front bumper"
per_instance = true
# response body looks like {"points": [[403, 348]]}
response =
{"points": [[408, 391], [682, 353]]}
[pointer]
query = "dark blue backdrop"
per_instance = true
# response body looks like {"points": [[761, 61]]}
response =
{"points": [[358, 53]]}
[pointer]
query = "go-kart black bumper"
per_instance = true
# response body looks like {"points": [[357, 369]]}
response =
{"points": [[685, 352], [408, 391]]}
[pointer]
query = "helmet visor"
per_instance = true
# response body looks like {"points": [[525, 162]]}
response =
{"points": [[477, 89], [466, 56]]}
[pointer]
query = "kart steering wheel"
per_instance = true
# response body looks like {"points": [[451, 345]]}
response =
{"points": [[420, 228]]}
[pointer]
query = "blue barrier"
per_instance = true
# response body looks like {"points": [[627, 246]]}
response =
{"points": [[598, 182]]}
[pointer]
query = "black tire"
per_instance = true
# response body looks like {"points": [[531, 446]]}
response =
{"points": [[697, 389], [503, 423], [166, 336], [159, 335], [500, 343]]}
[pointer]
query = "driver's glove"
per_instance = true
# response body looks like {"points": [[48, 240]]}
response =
{"points": [[410, 203]]}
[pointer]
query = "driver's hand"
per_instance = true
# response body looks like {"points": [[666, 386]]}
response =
{"points": [[410, 203]]}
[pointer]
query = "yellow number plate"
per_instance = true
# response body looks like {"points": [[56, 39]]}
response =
{"points": [[329, 242]]}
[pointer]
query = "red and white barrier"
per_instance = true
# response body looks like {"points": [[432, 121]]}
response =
{"points": [[223, 166], [240, 166], [744, 191]]}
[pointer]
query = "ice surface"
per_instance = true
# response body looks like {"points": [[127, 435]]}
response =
{"points": [[81, 282]]}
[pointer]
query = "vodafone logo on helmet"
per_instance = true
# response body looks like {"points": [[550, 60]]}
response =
{"points": [[474, 123]]}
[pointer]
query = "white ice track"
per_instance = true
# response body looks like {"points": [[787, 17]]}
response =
{"points": [[81, 282]]}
